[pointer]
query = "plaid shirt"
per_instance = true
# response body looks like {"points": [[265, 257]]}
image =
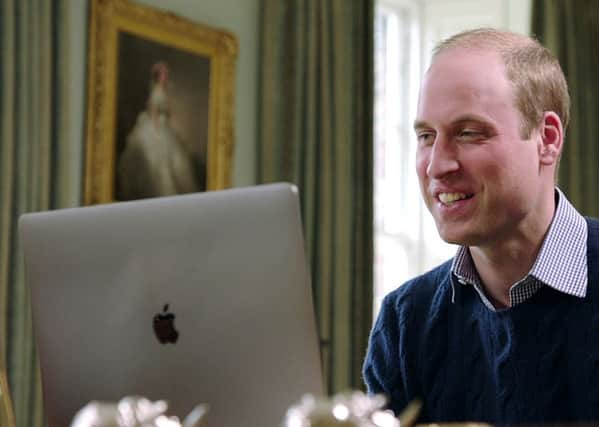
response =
{"points": [[560, 264]]}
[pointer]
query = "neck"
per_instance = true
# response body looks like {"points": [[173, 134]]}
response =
{"points": [[503, 263]]}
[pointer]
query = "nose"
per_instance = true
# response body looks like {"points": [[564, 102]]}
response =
{"points": [[442, 159]]}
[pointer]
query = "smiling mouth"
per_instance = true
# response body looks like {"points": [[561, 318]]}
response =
{"points": [[450, 198]]}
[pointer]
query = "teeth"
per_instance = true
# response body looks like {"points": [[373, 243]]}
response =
{"points": [[447, 198]]}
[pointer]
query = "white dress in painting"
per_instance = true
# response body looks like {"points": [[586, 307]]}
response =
{"points": [[154, 162]]}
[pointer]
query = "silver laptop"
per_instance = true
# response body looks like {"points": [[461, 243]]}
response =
{"points": [[201, 298]]}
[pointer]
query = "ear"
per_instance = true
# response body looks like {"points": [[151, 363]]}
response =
{"points": [[552, 138]]}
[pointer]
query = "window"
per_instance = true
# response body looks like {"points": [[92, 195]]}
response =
{"points": [[406, 241]]}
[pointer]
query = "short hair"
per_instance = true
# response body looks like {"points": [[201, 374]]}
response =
{"points": [[535, 73]]}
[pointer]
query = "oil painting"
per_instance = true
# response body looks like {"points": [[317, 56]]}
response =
{"points": [[160, 104]]}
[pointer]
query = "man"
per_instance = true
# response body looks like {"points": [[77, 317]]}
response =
{"points": [[507, 331]]}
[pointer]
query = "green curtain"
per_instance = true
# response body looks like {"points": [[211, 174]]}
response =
{"points": [[570, 29], [315, 130], [32, 124]]}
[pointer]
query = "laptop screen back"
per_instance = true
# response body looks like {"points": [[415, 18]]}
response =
{"points": [[201, 298]]}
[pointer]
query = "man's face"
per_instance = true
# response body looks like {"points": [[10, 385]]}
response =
{"points": [[479, 178]]}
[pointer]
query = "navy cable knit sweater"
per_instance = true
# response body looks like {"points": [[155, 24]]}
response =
{"points": [[535, 362]]}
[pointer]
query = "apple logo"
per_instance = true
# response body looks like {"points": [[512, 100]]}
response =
{"points": [[164, 326]]}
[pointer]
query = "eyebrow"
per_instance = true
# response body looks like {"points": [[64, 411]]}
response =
{"points": [[421, 124]]}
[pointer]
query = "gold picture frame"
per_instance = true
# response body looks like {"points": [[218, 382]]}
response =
{"points": [[161, 81]]}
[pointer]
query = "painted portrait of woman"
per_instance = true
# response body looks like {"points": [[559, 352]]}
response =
{"points": [[162, 121]]}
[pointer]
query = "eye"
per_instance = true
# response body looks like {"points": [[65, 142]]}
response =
{"points": [[425, 137], [470, 135]]}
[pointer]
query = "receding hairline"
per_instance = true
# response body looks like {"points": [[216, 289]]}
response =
{"points": [[500, 41], [538, 81]]}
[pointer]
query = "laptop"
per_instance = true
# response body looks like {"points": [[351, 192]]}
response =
{"points": [[199, 298]]}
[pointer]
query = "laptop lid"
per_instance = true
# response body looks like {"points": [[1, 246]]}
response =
{"points": [[201, 298]]}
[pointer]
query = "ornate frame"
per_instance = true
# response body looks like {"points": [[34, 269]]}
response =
{"points": [[107, 19]]}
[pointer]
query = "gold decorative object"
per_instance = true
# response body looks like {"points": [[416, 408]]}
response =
{"points": [[7, 416], [134, 411], [352, 409]]}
